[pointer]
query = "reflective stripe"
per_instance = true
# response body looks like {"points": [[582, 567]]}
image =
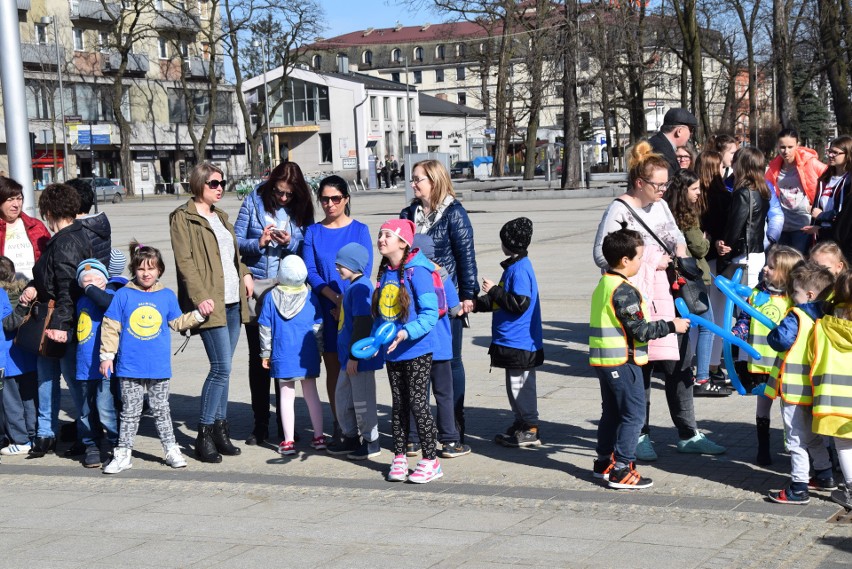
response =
{"points": [[606, 332], [608, 353], [795, 390], [797, 369], [832, 391], [759, 341], [609, 344]]}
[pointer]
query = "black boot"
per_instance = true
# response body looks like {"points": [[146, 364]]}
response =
{"points": [[205, 448], [764, 458], [222, 438], [42, 446]]}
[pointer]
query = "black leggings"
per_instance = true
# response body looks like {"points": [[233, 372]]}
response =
{"points": [[678, 383], [409, 380]]}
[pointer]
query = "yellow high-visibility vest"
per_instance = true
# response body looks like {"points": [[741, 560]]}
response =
{"points": [[609, 344], [774, 309], [790, 375], [831, 374]]}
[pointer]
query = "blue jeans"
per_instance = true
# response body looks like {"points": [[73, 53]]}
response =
{"points": [[704, 348], [457, 366], [622, 411], [95, 396], [49, 370], [19, 398], [219, 343]]}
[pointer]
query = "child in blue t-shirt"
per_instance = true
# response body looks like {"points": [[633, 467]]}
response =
{"points": [[91, 388], [355, 394], [290, 328], [135, 344], [516, 334]]}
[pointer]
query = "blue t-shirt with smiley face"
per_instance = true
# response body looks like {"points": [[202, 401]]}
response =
{"points": [[144, 346]]}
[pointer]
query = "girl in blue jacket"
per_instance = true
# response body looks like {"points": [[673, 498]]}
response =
{"points": [[406, 295]]}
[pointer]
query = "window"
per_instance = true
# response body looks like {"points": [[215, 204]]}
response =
{"points": [[205, 51], [418, 54], [462, 98], [585, 90], [460, 50], [41, 34], [399, 111], [374, 109], [439, 75], [396, 55], [303, 103], [418, 77], [204, 9], [367, 57], [78, 39], [316, 61], [183, 48], [395, 77], [585, 63], [163, 48], [386, 108], [440, 52], [200, 102], [325, 148], [103, 41], [158, 5], [460, 73]]}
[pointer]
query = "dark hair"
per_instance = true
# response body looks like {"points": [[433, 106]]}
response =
{"points": [[9, 188], [788, 133], [840, 304], [337, 183], [620, 244], [86, 193], [718, 142], [403, 299], [811, 276], [300, 205], [844, 143], [7, 270], [749, 168], [60, 201], [141, 254], [686, 214]]}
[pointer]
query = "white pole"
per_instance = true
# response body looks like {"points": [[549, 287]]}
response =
{"points": [[61, 101]]}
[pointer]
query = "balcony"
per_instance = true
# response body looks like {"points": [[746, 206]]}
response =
{"points": [[41, 55], [197, 68], [187, 21], [137, 63], [94, 11], [23, 5]]}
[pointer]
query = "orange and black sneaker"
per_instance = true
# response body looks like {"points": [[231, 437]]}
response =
{"points": [[603, 466], [628, 479]]}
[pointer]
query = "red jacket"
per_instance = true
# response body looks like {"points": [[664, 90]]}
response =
{"points": [[36, 231], [808, 166]]}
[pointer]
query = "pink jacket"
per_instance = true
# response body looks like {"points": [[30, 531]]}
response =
{"points": [[655, 288]]}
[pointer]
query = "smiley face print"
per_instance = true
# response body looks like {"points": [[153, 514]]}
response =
{"points": [[145, 322], [84, 327], [389, 301]]}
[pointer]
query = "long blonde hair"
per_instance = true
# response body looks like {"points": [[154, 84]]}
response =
{"points": [[442, 186]]}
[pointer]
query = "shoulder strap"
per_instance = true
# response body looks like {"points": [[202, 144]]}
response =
{"points": [[643, 224]]}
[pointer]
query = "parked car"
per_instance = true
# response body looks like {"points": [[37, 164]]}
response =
{"points": [[462, 169], [106, 189]]}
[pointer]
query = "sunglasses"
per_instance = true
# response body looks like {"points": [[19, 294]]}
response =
{"points": [[216, 183], [283, 193], [324, 200]]}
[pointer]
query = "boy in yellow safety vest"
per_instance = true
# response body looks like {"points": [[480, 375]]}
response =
{"points": [[618, 339], [808, 285]]}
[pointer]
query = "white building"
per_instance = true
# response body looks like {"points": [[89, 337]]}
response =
{"points": [[451, 128]]}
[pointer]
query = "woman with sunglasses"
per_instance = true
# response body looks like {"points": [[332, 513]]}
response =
{"points": [[322, 242], [270, 226], [643, 209], [831, 215], [218, 286]]}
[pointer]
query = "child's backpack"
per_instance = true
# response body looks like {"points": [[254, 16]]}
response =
{"points": [[438, 282]]}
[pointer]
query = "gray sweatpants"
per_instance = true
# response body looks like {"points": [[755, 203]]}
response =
{"points": [[801, 440], [132, 395], [355, 399], [520, 387]]}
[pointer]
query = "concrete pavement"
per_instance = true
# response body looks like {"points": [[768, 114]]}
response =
{"points": [[497, 506]]}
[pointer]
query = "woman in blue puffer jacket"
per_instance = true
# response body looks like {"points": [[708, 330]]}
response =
{"points": [[271, 225], [436, 212]]}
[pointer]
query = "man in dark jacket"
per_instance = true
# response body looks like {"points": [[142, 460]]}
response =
{"points": [[96, 227], [677, 129]]}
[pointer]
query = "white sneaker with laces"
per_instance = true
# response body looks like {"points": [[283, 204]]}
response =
{"points": [[174, 458], [121, 461], [14, 449]]}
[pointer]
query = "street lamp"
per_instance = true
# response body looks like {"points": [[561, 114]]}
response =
{"points": [[52, 20], [262, 45], [412, 140]]}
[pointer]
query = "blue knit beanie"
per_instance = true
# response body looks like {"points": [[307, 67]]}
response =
{"points": [[354, 257], [88, 266]]}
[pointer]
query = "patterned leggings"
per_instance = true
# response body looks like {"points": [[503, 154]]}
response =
{"points": [[409, 380], [132, 394]]}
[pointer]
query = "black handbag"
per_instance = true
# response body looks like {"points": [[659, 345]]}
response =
{"points": [[685, 277], [32, 334]]}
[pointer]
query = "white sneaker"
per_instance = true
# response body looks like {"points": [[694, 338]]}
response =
{"points": [[174, 458], [14, 449], [120, 462]]}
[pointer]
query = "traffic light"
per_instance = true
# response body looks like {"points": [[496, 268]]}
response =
{"points": [[32, 145]]}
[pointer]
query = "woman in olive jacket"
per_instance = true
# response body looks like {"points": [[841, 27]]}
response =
{"points": [[212, 280]]}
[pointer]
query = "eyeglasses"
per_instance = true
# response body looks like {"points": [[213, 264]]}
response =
{"points": [[416, 180], [660, 187], [682, 158], [282, 193], [836, 152], [324, 200], [216, 183]]}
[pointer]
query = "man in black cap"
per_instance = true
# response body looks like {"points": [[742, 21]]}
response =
{"points": [[677, 129]]}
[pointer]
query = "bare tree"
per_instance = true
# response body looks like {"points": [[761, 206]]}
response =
{"points": [[570, 108], [686, 13], [835, 27], [783, 62]]}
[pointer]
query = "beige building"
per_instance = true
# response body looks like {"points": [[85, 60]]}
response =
{"points": [[169, 48]]}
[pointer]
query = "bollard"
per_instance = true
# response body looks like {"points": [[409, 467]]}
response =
{"points": [[142, 194]]}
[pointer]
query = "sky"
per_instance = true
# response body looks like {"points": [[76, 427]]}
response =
{"points": [[344, 16]]}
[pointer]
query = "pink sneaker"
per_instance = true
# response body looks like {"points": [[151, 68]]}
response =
{"points": [[426, 471], [287, 448], [399, 469], [318, 442]]}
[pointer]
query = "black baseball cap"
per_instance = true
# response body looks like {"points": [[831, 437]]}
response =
{"points": [[677, 117]]}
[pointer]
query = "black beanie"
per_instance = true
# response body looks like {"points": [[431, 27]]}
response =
{"points": [[516, 235]]}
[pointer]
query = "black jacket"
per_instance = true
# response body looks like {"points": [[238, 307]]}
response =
{"points": [[714, 219], [841, 228], [55, 273], [454, 251], [744, 229], [99, 233], [663, 146]]}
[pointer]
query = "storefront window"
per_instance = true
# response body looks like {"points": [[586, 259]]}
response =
{"points": [[303, 103]]}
